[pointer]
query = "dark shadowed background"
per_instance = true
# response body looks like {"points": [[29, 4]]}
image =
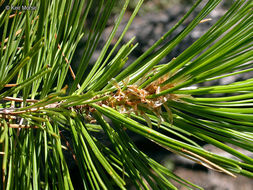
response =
{"points": [[155, 18]]}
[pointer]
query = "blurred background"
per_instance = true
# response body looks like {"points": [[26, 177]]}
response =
{"points": [[155, 18]]}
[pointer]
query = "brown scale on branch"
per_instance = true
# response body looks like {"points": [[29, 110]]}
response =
{"points": [[132, 98]]}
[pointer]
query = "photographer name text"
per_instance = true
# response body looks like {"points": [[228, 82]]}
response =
{"points": [[21, 8]]}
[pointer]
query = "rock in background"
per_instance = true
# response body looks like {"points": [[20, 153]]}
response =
{"points": [[149, 27]]}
